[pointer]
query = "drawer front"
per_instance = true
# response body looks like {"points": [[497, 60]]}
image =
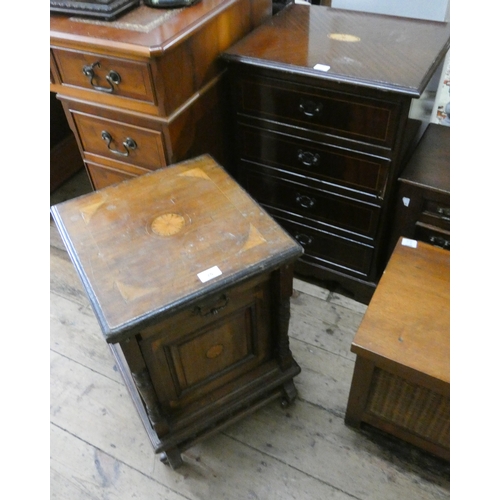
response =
{"points": [[336, 166], [329, 250], [321, 207], [102, 176], [438, 208], [210, 344], [120, 141], [435, 220], [121, 77], [433, 235], [344, 115]]}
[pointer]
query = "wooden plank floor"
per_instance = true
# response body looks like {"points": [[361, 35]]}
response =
{"points": [[100, 450]]}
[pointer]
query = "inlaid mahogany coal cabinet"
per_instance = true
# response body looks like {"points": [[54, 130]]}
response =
{"points": [[147, 89], [327, 104], [190, 281]]}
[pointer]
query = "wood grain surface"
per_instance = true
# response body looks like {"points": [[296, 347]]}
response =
{"points": [[132, 270], [99, 449], [369, 49], [408, 321]]}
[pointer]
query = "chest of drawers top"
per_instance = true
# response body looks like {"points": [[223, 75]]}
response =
{"points": [[364, 49]]}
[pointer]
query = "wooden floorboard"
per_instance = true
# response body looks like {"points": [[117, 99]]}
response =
{"points": [[100, 450]]}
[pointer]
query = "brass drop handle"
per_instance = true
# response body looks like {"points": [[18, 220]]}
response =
{"points": [[113, 78], [308, 159], [310, 108], [305, 201], [439, 241], [303, 239], [128, 144], [444, 212]]}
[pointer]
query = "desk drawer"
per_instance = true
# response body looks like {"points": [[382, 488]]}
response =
{"points": [[321, 207], [435, 220], [436, 210], [334, 113], [116, 140], [120, 77], [329, 250], [337, 166], [102, 176], [433, 235]]}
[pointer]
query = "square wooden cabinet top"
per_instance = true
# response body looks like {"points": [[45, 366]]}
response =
{"points": [[148, 247]]}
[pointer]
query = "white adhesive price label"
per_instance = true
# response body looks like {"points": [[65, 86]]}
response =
{"points": [[407, 242], [209, 274], [321, 67]]}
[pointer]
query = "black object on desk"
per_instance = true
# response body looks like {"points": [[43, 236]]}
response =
{"points": [[165, 4], [106, 10]]}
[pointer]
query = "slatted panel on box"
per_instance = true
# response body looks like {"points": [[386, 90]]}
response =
{"points": [[414, 408]]}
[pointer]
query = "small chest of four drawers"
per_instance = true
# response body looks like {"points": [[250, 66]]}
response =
{"points": [[306, 172], [322, 120]]}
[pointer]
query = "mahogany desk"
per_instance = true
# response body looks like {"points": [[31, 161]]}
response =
{"points": [[147, 90], [401, 381]]}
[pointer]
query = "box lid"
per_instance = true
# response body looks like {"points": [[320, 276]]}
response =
{"points": [[147, 247], [407, 323]]}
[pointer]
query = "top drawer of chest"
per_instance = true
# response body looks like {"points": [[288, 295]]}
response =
{"points": [[104, 74], [334, 113]]}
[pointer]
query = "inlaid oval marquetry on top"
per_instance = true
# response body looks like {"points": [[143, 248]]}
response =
{"points": [[167, 224], [344, 37], [214, 351]]}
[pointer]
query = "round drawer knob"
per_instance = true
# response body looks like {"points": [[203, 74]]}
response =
{"points": [[308, 159], [303, 239], [305, 201]]}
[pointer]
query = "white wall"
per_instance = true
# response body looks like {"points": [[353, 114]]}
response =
{"points": [[434, 10]]}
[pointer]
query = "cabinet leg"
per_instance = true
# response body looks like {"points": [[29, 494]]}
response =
{"points": [[360, 389], [172, 457], [289, 394]]}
